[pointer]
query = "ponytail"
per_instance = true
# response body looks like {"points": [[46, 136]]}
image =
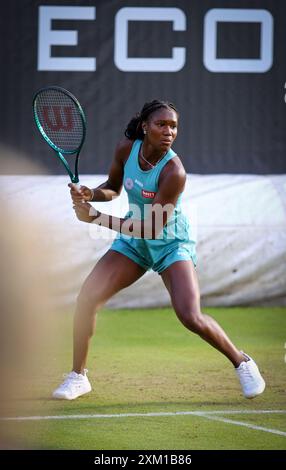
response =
{"points": [[134, 128]]}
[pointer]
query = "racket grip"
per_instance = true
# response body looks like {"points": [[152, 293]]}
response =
{"points": [[78, 186]]}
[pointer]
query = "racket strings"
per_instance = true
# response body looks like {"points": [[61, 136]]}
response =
{"points": [[61, 119]]}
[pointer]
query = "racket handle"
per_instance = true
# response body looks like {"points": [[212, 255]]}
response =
{"points": [[78, 186]]}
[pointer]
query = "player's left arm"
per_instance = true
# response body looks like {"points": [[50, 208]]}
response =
{"points": [[171, 184]]}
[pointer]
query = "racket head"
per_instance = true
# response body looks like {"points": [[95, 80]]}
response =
{"points": [[60, 119]]}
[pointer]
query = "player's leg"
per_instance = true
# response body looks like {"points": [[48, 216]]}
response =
{"points": [[181, 281], [111, 274]]}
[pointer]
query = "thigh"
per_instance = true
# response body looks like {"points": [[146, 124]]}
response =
{"points": [[182, 283], [112, 273]]}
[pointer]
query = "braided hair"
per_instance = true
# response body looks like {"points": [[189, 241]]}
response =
{"points": [[134, 128]]}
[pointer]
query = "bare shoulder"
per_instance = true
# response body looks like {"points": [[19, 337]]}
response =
{"points": [[174, 172], [123, 149]]}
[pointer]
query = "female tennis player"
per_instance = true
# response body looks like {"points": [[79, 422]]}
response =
{"points": [[155, 234]]}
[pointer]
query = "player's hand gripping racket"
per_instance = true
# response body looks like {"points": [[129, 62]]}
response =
{"points": [[61, 121]]}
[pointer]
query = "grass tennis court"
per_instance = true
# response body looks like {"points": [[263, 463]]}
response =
{"points": [[145, 367]]}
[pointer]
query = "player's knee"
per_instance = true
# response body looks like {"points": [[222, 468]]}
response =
{"points": [[88, 301], [196, 324], [191, 318]]}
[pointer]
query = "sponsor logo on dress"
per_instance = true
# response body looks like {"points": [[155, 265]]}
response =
{"points": [[148, 194], [129, 183], [139, 183]]}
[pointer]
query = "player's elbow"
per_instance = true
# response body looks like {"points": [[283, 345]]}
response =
{"points": [[115, 190]]}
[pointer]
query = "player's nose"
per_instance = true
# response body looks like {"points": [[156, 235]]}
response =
{"points": [[167, 131]]}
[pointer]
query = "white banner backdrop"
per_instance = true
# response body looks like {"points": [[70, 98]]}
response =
{"points": [[239, 221]]}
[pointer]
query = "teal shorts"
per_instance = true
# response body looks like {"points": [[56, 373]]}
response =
{"points": [[181, 251]]}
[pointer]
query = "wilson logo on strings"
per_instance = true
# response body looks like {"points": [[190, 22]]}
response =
{"points": [[58, 117]]}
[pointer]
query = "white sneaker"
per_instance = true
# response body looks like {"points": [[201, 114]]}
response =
{"points": [[251, 382], [73, 386]]}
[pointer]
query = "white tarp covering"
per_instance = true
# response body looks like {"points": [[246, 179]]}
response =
{"points": [[240, 222]]}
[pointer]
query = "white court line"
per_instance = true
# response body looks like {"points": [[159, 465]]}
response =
{"points": [[212, 415], [131, 415], [242, 423]]}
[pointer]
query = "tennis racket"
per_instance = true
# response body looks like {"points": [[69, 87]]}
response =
{"points": [[61, 121]]}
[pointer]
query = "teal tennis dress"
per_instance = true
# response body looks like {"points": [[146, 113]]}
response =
{"points": [[175, 243]]}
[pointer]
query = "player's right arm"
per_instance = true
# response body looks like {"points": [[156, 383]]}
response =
{"points": [[112, 187]]}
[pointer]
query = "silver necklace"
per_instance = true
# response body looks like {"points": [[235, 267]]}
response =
{"points": [[151, 164]]}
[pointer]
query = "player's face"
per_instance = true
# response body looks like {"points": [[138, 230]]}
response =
{"points": [[161, 128]]}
